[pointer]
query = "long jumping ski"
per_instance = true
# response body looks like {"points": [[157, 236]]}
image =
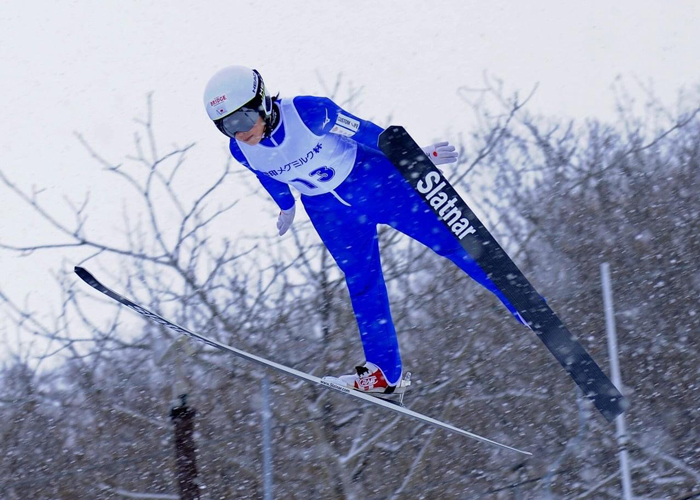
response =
{"points": [[88, 278], [435, 190]]}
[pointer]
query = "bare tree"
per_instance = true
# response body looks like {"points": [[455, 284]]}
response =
{"points": [[559, 197]]}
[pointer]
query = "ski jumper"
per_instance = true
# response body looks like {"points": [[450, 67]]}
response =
{"points": [[348, 187]]}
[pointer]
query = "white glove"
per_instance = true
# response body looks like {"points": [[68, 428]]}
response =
{"points": [[441, 153], [284, 221]]}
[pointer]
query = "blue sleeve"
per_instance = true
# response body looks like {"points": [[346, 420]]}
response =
{"points": [[279, 191], [322, 116]]}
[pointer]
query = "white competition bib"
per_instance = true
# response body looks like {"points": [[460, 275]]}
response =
{"points": [[314, 165]]}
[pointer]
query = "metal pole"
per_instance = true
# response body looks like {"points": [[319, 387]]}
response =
{"points": [[617, 379], [267, 447]]}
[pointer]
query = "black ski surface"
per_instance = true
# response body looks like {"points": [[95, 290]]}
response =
{"points": [[429, 182]]}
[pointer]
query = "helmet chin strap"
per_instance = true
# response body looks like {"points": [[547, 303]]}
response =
{"points": [[272, 121]]}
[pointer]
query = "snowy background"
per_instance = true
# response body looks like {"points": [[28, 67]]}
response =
{"points": [[86, 67], [79, 73]]}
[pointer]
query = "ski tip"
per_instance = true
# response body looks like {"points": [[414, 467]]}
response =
{"points": [[396, 129], [84, 274]]}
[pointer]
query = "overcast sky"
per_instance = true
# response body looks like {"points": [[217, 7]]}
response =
{"points": [[87, 66]]}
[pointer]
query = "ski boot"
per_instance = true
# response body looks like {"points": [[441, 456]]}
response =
{"points": [[369, 378]]}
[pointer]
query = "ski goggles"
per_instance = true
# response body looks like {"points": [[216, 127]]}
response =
{"points": [[241, 120]]}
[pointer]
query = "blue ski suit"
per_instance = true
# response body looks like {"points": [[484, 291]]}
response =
{"points": [[348, 187]]}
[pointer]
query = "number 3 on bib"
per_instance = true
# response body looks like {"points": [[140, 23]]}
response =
{"points": [[320, 174]]}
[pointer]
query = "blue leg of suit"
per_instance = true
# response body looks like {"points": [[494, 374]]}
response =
{"points": [[378, 194]]}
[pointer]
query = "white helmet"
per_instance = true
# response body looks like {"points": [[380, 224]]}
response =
{"points": [[231, 89]]}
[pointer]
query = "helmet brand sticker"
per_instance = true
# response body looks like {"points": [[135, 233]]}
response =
{"points": [[218, 100]]}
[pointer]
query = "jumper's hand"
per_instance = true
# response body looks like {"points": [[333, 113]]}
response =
{"points": [[441, 153], [284, 221]]}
